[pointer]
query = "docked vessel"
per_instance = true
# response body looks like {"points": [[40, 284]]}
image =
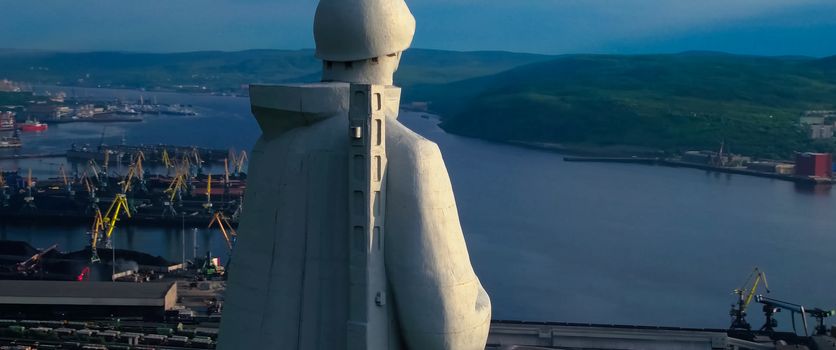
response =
{"points": [[10, 142], [7, 121], [33, 125]]}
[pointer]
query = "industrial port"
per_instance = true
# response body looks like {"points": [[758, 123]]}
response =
{"points": [[101, 297], [353, 237], [104, 297]]}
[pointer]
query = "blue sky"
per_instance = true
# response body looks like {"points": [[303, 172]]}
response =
{"points": [[764, 27]]}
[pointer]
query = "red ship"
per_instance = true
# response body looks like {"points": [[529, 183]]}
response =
{"points": [[33, 126]]}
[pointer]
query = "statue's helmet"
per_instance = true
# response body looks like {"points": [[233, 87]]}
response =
{"points": [[354, 30]]}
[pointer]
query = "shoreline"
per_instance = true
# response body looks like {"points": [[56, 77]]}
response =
{"points": [[673, 163]]}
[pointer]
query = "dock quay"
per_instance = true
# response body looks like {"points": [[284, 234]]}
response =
{"points": [[629, 160], [90, 190], [95, 119], [32, 156], [682, 164], [153, 153], [555, 335]]}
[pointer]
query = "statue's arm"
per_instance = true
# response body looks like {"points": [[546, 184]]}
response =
{"points": [[440, 302]]}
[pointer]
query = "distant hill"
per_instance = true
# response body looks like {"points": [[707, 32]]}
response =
{"points": [[228, 71], [422, 66], [693, 100]]}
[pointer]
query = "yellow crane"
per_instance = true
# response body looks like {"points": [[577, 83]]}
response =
{"points": [[140, 157], [226, 171], [240, 165], [140, 172], [745, 294], [167, 159], [95, 234], [226, 228], [173, 189], [90, 189], [118, 206], [68, 185], [208, 204], [177, 186], [126, 183]]}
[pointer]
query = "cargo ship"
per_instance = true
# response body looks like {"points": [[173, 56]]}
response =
{"points": [[7, 121], [33, 125]]}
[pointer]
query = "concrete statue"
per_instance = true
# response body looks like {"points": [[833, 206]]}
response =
{"points": [[351, 238]]}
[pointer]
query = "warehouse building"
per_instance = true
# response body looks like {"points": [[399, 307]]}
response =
{"points": [[46, 300], [814, 165]]}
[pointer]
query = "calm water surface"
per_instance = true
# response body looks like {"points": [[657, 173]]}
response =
{"points": [[550, 240]]}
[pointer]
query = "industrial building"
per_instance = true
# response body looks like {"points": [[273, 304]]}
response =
{"points": [[85, 300], [818, 165]]}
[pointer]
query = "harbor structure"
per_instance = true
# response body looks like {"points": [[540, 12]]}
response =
{"points": [[86, 300], [810, 164], [351, 239]]}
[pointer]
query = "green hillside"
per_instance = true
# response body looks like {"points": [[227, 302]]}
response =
{"points": [[228, 71], [665, 102]]}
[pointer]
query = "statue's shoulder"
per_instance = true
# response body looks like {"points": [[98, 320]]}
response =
{"points": [[279, 108], [402, 141], [303, 98]]}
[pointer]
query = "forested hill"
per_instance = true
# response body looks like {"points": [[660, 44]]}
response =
{"points": [[219, 71], [692, 100]]}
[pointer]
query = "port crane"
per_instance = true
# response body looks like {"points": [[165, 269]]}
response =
{"points": [[118, 206], [30, 264], [29, 199], [772, 306], [68, 185], [226, 179], [167, 159], [101, 177], [175, 192], [198, 162], [4, 190], [95, 233], [168, 164], [91, 193], [106, 163], [238, 161], [229, 233], [744, 297], [140, 171], [208, 204]]}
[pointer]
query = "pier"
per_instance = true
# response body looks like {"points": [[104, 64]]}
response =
{"points": [[681, 164], [32, 156]]}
